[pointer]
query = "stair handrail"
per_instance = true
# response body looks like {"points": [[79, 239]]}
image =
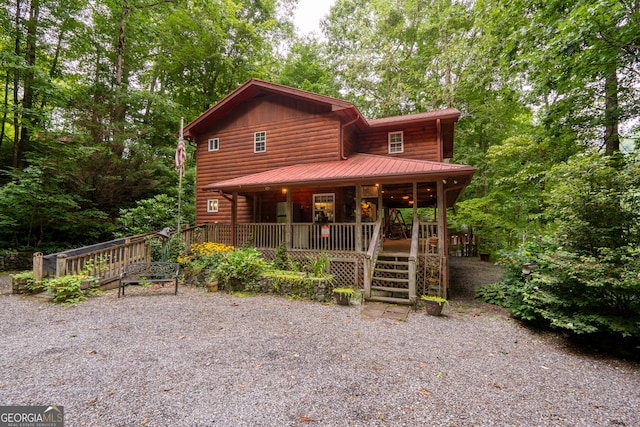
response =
{"points": [[371, 256], [413, 256]]}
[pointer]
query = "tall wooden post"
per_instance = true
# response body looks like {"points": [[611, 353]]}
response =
{"points": [[234, 217], [358, 213], [442, 234], [38, 266], [61, 265], [289, 222], [380, 207]]}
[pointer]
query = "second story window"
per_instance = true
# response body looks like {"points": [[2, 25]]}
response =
{"points": [[260, 142], [214, 144], [396, 142]]}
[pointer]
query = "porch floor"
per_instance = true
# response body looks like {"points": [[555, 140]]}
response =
{"points": [[386, 311], [397, 245]]}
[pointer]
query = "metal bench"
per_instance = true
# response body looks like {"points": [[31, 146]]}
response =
{"points": [[149, 272]]}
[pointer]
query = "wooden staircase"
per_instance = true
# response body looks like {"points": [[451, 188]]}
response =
{"points": [[390, 278]]}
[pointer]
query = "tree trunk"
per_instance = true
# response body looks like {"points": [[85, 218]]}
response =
{"points": [[16, 89], [28, 117], [611, 114]]}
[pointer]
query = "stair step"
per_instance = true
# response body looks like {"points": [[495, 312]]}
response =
{"points": [[388, 289], [393, 254], [389, 279], [385, 262], [390, 270], [390, 299]]}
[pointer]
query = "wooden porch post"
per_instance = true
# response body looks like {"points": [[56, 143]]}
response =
{"points": [[413, 258], [442, 234], [380, 207], [358, 241], [289, 222], [415, 199], [234, 217]]}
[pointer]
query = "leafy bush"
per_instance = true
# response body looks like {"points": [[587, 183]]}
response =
{"points": [[319, 264], [67, 289], [147, 216], [281, 260], [241, 270], [492, 293], [174, 247], [587, 282], [203, 259]]}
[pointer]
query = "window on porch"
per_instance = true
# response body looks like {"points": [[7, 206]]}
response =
{"points": [[324, 207]]}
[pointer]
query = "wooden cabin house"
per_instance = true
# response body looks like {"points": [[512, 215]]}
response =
{"points": [[283, 166]]}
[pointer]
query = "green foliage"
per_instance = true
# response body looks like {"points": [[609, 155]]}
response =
{"points": [[436, 299], [587, 280], [147, 216], [292, 283], [37, 210], [241, 270], [319, 264], [203, 260], [344, 291], [29, 281], [492, 293], [67, 289], [281, 260]]}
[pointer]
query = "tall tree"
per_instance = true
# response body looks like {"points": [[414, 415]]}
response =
{"points": [[580, 58]]}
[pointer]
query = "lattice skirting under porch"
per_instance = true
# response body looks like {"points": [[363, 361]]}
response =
{"points": [[347, 268]]}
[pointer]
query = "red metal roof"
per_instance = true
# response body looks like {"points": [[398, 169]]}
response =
{"points": [[359, 168], [448, 113]]}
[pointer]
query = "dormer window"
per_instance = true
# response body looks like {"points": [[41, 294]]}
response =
{"points": [[260, 142], [214, 144], [396, 142]]}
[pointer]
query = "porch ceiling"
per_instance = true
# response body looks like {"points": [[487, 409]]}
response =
{"points": [[358, 169]]}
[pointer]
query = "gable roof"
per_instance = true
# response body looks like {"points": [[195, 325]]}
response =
{"points": [[254, 88]]}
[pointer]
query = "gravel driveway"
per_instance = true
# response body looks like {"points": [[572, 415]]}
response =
{"points": [[201, 359]]}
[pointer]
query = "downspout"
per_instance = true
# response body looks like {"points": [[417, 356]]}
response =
{"points": [[439, 139], [342, 156]]}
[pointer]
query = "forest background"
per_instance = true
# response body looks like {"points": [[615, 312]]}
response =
{"points": [[93, 92]]}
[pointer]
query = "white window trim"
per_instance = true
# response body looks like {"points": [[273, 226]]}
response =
{"points": [[255, 141], [214, 144], [212, 205], [396, 143], [332, 196]]}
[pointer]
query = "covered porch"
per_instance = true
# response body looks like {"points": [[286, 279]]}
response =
{"points": [[363, 211]]}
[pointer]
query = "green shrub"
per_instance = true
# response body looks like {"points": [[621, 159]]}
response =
{"points": [[319, 264], [67, 289], [492, 293], [281, 260], [241, 270]]}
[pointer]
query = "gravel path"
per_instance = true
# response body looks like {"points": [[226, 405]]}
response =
{"points": [[201, 359]]}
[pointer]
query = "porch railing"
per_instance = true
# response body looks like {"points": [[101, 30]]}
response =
{"points": [[374, 248], [429, 241], [413, 257], [331, 237], [261, 236], [308, 236], [105, 263]]}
